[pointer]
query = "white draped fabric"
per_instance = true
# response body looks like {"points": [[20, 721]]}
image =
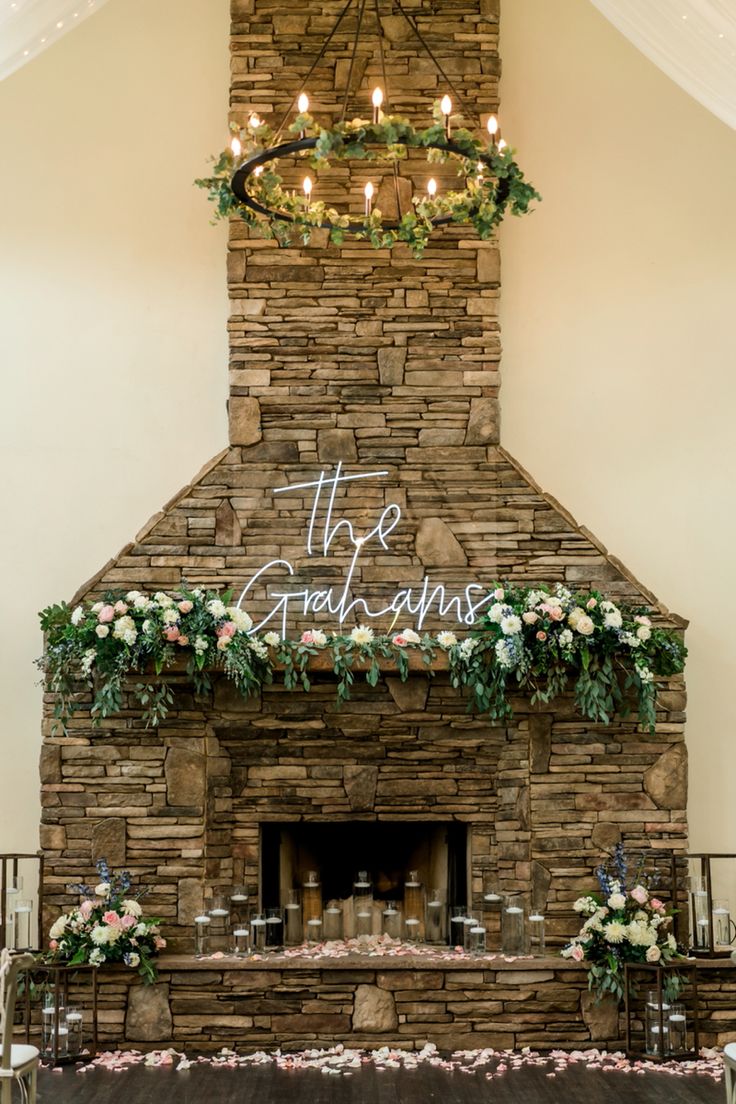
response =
{"points": [[692, 41], [27, 27]]}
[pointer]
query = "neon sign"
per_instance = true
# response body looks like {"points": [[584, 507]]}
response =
{"points": [[339, 601]]}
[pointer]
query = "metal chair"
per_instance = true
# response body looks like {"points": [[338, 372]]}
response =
{"points": [[18, 1062]]}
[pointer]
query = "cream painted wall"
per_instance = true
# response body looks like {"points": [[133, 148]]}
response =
{"points": [[618, 295], [113, 313], [617, 314]]}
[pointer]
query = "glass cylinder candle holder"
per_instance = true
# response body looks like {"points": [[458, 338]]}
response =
{"points": [[239, 900], [492, 904], [241, 941], [313, 930], [23, 910], [311, 898], [699, 921], [458, 914], [722, 924], [294, 930], [54, 1030], [391, 921], [513, 934], [470, 921], [657, 1027], [219, 914], [435, 931], [414, 899], [332, 926], [678, 1029], [536, 933], [274, 929], [74, 1022], [258, 932], [412, 929], [476, 939], [202, 936]]}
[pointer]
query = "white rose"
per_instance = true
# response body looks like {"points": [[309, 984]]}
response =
{"points": [[102, 890], [585, 626], [58, 927], [133, 959], [643, 632], [446, 639], [102, 631], [616, 901], [574, 616], [653, 954], [411, 637], [142, 603], [78, 615], [132, 595], [613, 619], [511, 625], [529, 618], [97, 607]]}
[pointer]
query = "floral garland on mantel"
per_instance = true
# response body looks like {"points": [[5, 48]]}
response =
{"points": [[534, 640]]}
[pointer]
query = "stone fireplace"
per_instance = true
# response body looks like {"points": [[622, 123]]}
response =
{"points": [[374, 365]]}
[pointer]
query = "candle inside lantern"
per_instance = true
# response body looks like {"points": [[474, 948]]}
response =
{"points": [[446, 108], [236, 147], [431, 187], [377, 100], [368, 190]]}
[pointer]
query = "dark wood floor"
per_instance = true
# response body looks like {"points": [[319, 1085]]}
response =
{"points": [[425, 1085]]}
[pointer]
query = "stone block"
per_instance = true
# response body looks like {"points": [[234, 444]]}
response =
{"points": [[336, 444], [227, 526], [374, 1010], [437, 546], [385, 200], [50, 763], [244, 416], [600, 1017], [148, 1016], [185, 772], [605, 836], [666, 780], [410, 696], [483, 422], [189, 901], [540, 740], [109, 841], [52, 837], [489, 266], [391, 362], [360, 786]]}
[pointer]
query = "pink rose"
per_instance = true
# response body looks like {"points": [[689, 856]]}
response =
{"points": [[227, 629], [110, 917], [308, 637], [591, 603], [541, 635], [640, 895], [577, 953], [159, 943], [186, 606], [183, 640], [120, 607], [128, 922], [53, 944], [498, 595], [171, 633], [399, 640], [106, 614], [557, 613], [529, 618], [656, 904], [86, 909]]}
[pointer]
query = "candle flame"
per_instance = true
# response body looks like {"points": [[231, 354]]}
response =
{"points": [[431, 186], [303, 103], [492, 125], [377, 97], [307, 186], [236, 147], [445, 105], [368, 190]]}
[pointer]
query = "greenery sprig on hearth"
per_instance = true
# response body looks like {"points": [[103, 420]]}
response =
{"points": [[491, 184], [537, 641]]}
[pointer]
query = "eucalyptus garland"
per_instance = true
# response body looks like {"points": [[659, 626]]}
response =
{"points": [[538, 641], [492, 182]]}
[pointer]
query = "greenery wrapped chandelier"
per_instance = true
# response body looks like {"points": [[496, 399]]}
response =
{"points": [[246, 181]]}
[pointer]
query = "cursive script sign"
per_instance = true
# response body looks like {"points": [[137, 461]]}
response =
{"points": [[339, 601]]}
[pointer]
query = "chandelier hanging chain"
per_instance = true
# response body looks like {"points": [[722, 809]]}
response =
{"points": [[348, 82], [387, 97], [313, 66], [425, 45]]}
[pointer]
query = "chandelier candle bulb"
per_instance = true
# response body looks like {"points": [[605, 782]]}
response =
{"points": [[446, 108], [302, 105], [307, 186], [237, 147], [431, 187], [368, 191], [377, 100], [492, 126]]}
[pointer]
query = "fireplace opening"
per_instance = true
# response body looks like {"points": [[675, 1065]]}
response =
{"points": [[387, 851]]}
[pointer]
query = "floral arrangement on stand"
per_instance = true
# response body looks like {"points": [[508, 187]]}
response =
{"points": [[490, 181], [536, 640], [624, 923], [107, 927]]}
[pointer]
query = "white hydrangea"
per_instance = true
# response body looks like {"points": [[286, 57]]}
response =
{"points": [[242, 621], [88, 660], [467, 647], [142, 603], [645, 674], [504, 655], [496, 612], [565, 638], [77, 616], [96, 957], [139, 930], [446, 639], [585, 905], [612, 619], [200, 645], [163, 600], [259, 648], [125, 630], [630, 640], [534, 597], [216, 608], [132, 596]]}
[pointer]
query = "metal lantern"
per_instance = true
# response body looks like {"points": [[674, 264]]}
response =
{"points": [[660, 1028], [61, 1002], [21, 895], [703, 881]]}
